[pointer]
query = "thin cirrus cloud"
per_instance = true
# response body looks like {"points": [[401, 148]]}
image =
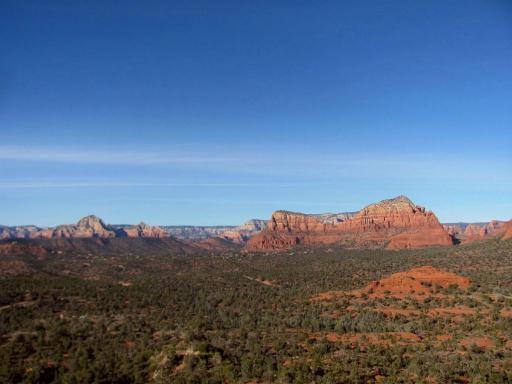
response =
{"points": [[20, 153], [106, 184], [281, 163], [245, 161]]}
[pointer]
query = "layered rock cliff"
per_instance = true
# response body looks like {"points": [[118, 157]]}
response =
{"points": [[395, 223], [470, 232], [507, 228], [143, 230]]}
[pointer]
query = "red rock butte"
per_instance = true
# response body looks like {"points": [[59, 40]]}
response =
{"points": [[395, 224], [417, 280]]}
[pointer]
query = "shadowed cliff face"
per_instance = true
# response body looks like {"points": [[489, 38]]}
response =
{"points": [[395, 223]]}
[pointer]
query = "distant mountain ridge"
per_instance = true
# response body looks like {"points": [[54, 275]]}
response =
{"points": [[94, 227], [392, 223]]}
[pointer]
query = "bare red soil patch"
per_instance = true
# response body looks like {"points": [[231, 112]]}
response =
{"points": [[444, 337], [420, 282], [327, 296], [381, 338], [480, 341], [407, 312], [455, 311]]}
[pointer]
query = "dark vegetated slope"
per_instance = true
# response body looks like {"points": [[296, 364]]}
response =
{"points": [[234, 317]]}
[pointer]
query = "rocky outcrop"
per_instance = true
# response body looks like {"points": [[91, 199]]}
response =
{"points": [[144, 230], [421, 280], [396, 223]]}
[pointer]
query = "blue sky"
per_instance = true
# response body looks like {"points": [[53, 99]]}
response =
{"points": [[200, 112]]}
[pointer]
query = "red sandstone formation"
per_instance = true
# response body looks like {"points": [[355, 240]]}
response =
{"points": [[507, 227], [144, 230], [474, 232], [421, 280], [468, 233], [397, 223], [89, 226]]}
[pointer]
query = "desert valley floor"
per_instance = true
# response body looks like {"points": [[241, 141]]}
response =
{"points": [[143, 313]]}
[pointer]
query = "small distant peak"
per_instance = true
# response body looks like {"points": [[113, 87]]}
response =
{"points": [[90, 221], [89, 218]]}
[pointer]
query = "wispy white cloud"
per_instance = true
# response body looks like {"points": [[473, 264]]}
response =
{"points": [[39, 154], [114, 184], [285, 163]]}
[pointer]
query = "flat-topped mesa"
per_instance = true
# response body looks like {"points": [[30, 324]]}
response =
{"points": [[397, 223]]}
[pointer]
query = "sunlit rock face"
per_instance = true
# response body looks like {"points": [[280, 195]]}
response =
{"points": [[394, 223], [507, 231], [89, 226], [144, 230]]}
